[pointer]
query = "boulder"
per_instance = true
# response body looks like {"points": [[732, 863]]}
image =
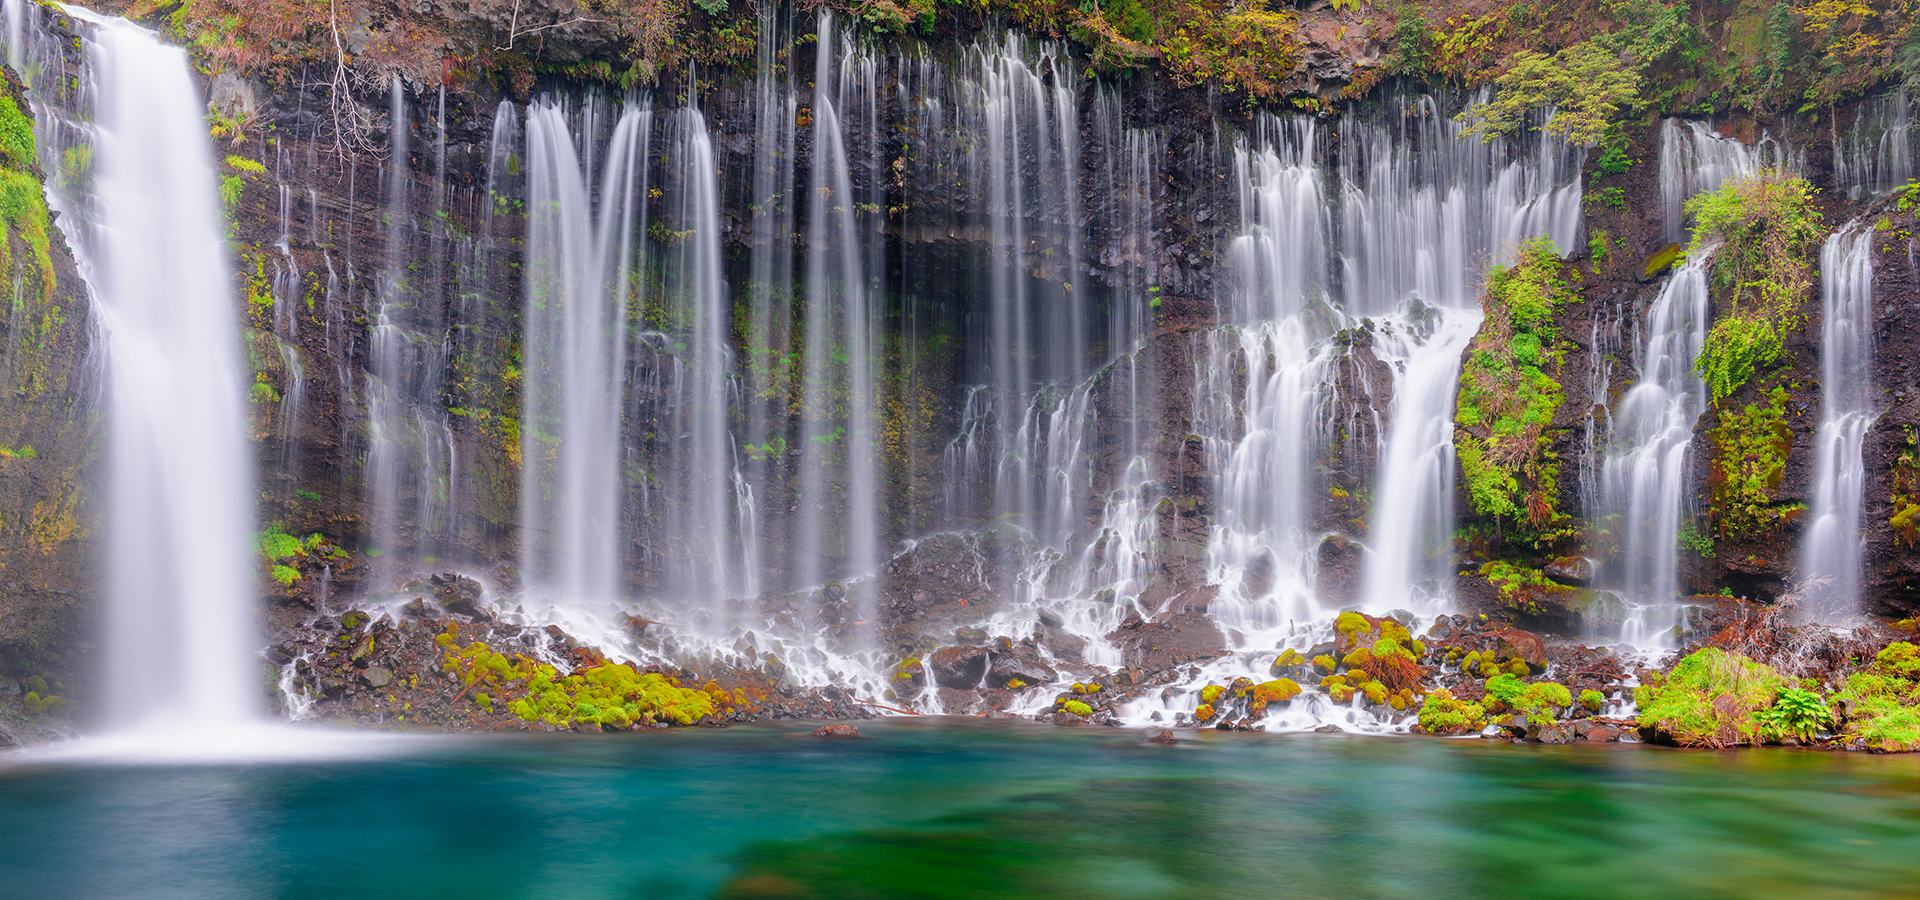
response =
{"points": [[956, 702], [376, 676], [1164, 737], [959, 667], [1170, 640], [459, 595], [1554, 733], [1021, 662], [1576, 571], [836, 731], [1526, 645], [421, 608]]}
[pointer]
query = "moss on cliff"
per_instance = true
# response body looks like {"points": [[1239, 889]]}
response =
{"points": [[1760, 230], [1750, 459], [1509, 394]]}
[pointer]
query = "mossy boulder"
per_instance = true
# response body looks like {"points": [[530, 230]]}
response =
{"points": [[1708, 700]]}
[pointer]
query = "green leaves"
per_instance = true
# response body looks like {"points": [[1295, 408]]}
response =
{"points": [[1586, 84]]}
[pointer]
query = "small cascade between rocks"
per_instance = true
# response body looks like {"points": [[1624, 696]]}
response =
{"points": [[1830, 553], [147, 231]]}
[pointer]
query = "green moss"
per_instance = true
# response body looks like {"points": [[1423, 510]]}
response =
{"points": [[1904, 490], [1211, 693], [1882, 702], [1765, 226], [610, 694], [1077, 708], [1508, 398], [1751, 446], [286, 575], [1709, 699], [1278, 690], [1592, 700], [1441, 713]]}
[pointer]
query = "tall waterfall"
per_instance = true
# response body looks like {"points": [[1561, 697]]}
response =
{"points": [[148, 234], [1830, 553], [1643, 477], [842, 310], [580, 261]]}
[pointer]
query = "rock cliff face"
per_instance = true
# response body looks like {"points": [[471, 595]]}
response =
{"points": [[50, 487], [377, 189]]}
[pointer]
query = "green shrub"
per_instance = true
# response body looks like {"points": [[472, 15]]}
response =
{"points": [[1765, 226], [1798, 714], [1709, 699]]}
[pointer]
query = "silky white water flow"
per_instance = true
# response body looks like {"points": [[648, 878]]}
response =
{"points": [[579, 256], [180, 635], [1875, 155], [1643, 478], [838, 434], [1830, 552], [1694, 160]]}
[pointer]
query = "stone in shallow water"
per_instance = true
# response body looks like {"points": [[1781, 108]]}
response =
{"points": [[1164, 737], [836, 731]]}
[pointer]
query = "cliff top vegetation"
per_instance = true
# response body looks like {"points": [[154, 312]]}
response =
{"points": [[1595, 60]]}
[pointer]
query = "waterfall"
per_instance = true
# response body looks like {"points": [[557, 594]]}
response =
{"points": [[579, 283], [1694, 160], [1410, 553], [150, 242], [1260, 439], [1875, 154], [1830, 562], [839, 480], [1643, 478], [1416, 229], [410, 453]]}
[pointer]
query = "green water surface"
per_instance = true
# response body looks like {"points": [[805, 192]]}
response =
{"points": [[970, 809]]}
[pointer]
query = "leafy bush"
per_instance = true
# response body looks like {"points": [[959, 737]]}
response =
{"points": [[1760, 230], [1709, 699], [1798, 714], [1587, 83]]}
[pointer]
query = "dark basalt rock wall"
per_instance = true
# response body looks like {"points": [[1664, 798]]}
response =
{"points": [[321, 238]]}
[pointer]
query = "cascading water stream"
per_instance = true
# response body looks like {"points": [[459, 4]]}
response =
{"points": [[1643, 478], [1875, 155], [577, 290], [1830, 553], [148, 234], [838, 434]]}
